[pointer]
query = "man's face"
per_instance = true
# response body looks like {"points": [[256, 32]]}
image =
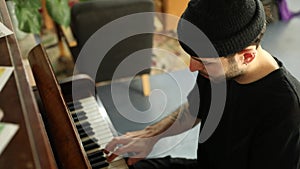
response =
{"points": [[216, 68]]}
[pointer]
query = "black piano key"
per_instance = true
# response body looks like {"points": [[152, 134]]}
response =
{"points": [[86, 129], [72, 108], [83, 125], [97, 159], [79, 118], [95, 154], [72, 103], [91, 146], [100, 164], [86, 134], [89, 141], [80, 113]]}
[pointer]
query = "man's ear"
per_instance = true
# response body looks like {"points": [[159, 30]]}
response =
{"points": [[249, 55]]}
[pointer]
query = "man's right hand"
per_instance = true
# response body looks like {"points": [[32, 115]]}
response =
{"points": [[139, 143]]}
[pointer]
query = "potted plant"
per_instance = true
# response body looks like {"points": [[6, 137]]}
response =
{"points": [[28, 13]]}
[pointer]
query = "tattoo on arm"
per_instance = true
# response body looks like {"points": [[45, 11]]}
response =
{"points": [[185, 116], [181, 119]]}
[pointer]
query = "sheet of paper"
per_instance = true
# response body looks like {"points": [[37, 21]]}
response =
{"points": [[4, 31], [5, 72], [7, 131], [1, 114]]}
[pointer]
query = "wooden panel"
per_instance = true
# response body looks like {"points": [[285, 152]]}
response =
{"points": [[173, 7], [30, 147], [65, 141]]}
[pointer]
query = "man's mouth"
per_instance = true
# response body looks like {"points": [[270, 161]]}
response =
{"points": [[204, 75]]}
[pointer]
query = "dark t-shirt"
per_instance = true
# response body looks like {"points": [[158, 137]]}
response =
{"points": [[260, 125]]}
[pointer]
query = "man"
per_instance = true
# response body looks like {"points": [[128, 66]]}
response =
{"points": [[260, 123]]}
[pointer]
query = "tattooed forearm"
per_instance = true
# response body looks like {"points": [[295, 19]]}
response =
{"points": [[175, 123]]}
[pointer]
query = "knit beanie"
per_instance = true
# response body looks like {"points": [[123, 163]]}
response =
{"points": [[230, 25]]}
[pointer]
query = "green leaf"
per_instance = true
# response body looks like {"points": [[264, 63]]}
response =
{"points": [[59, 11], [29, 18]]}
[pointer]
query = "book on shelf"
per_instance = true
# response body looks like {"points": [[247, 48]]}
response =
{"points": [[7, 132], [4, 31], [5, 72]]}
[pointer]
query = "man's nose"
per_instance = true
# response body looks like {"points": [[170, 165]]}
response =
{"points": [[195, 65]]}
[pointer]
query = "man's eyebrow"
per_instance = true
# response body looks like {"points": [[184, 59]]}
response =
{"points": [[202, 61], [195, 58]]}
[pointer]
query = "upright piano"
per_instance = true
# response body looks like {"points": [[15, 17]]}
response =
{"points": [[75, 119], [59, 128]]}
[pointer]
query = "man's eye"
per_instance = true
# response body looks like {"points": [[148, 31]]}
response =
{"points": [[207, 63]]}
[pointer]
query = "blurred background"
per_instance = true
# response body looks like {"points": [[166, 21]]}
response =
{"points": [[281, 39]]}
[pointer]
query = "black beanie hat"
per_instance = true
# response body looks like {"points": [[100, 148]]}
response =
{"points": [[230, 25]]}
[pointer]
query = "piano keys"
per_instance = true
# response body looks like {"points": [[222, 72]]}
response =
{"points": [[76, 122], [95, 130]]}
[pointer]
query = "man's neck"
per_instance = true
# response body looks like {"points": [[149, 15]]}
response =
{"points": [[260, 67]]}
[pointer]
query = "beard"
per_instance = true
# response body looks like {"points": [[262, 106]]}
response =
{"points": [[233, 70]]}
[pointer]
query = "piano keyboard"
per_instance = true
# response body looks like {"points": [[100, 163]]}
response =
{"points": [[95, 131]]}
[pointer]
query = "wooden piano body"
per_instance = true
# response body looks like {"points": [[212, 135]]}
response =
{"points": [[76, 122]]}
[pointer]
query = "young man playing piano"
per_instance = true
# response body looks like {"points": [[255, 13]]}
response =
{"points": [[260, 123]]}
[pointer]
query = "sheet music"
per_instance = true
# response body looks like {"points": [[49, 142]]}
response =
{"points": [[5, 72], [1, 114], [4, 31], [7, 131]]}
